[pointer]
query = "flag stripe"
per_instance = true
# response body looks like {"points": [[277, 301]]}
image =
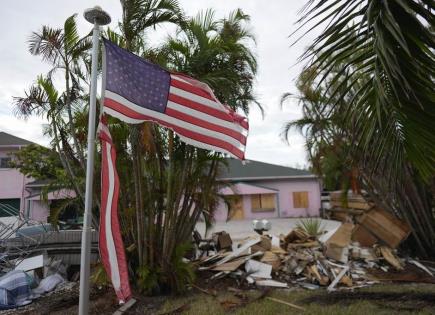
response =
{"points": [[198, 99], [210, 111], [113, 108], [205, 124], [206, 117], [199, 107], [114, 101], [190, 89], [110, 242]]}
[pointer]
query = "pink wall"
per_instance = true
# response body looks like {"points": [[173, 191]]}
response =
{"points": [[12, 181], [284, 200], [38, 210], [12, 185]]}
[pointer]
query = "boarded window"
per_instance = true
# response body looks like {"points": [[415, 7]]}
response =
{"points": [[263, 202], [9, 207], [4, 162], [300, 199]]}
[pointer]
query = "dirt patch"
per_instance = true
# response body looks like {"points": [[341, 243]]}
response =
{"points": [[102, 301], [410, 274], [393, 300]]}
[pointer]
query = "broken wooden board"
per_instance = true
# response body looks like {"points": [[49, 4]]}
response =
{"points": [[296, 236], [125, 307], [352, 204], [271, 283], [239, 250], [233, 264], [286, 303], [331, 287], [302, 245], [341, 237], [385, 227], [314, 273], [223, 240], [337, 246], [388, 255], [271, 259]]}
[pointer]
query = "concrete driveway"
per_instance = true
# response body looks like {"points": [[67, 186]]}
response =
{"points": [[240, 229]]}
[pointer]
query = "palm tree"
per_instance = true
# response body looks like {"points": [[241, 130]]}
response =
{"points": [[177, 183], [375, 62], [44, 100], [65, 51], [140, 16], [391, 42]]}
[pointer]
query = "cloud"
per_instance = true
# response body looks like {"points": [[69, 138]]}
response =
{"points": [[271, 21]]}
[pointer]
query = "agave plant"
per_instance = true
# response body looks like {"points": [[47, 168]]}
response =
{"points": [[313, 226]]}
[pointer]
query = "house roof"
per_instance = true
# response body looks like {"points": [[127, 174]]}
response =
{"points": [[255, 170], [38, 183], [7, 139]]}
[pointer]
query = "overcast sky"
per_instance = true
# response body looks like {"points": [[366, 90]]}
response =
{"points": [[271, 21]]}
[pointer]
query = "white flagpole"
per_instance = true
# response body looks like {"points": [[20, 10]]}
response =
{"points": [[97, 17]]}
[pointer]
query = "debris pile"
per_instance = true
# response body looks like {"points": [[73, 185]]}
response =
{"points": [[371, 222], [299, 259], [31, 278]]}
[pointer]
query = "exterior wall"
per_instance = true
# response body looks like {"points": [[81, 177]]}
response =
{"points": [[284, 200], [12, 182], [12, 185], [38, 210]]}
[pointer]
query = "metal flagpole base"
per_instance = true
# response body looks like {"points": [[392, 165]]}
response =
{"points": [[97, 17]]}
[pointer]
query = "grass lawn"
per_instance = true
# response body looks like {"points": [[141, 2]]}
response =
{"points": [[379, 299]]}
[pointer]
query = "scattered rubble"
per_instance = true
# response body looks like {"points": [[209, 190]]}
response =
{"points": [[30, 278], [301, 260]]}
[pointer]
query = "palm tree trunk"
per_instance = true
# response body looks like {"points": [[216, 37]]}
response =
{"points": [[78, 148]]}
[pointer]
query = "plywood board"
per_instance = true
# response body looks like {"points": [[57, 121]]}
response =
{"points": [[361, 235], [385, 227], [300, 199]]}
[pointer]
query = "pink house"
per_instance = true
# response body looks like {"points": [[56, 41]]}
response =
{"points": [[260, 190], [21, 195]]}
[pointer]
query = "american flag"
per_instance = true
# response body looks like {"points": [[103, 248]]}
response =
{"points": [[136, 90]]}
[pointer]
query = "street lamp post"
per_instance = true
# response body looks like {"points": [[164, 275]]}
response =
{"points": [[97, 17]]}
